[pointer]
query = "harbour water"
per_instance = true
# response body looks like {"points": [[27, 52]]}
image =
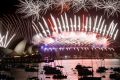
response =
{"points": [[69, 68]]}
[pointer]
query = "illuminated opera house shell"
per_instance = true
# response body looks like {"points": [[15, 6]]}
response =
{"points": [[19, 50]]}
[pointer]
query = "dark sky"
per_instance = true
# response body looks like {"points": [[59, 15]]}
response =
{"points": [[8, 6]]}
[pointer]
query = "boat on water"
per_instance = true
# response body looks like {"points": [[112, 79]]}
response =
{"points": [[115, 76], [33, 78], [59, 76], [101, 69], [90, 78], [51, 70], [83, 71], [117, 69]]}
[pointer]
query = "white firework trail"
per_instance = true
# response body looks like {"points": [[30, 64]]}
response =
{"points": [[83, 20], [71, 24], [46, 25], [35, 27], [6, 39], [66, 21], [59, 25], [114, 29], [115, 35], [101, 29], [89, 24], [109, 28], [43, 30], [74, 23], [99, 23], [63, 23], [79, 25], [86, 24], [8, 42], [95, 23], [65, 31], [104, 30], [54, 22]]}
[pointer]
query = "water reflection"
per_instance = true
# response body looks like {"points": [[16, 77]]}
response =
{"points": [[69, 67]]}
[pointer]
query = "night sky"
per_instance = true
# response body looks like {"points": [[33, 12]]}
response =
{"points": [[8, 6]]}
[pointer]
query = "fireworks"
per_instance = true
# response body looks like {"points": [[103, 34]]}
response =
{"points": [[77, 5], [30, 8], [96, 4], [77, 31], [65, 30], [5, 40], [18, 25], [46, 5], [62, 4], [38, 8]]}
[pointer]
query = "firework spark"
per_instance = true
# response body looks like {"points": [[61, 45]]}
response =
{"points": [[16, 24], [5, 39], [77, 5], [96, 4], [30, 8], [39, 8], [111, 7], [46, 5], [74, 31]]}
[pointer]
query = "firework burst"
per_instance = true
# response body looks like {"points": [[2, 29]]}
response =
{"points": [[6, 39], [77, 5], [111, 7], [46, 5], [67, 31], [38, 8], [62, 4], [16, 24], [30, 8], [96, 4]]}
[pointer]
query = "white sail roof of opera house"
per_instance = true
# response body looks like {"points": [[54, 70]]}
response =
{"points": [[20, 48], [30, 51]]}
